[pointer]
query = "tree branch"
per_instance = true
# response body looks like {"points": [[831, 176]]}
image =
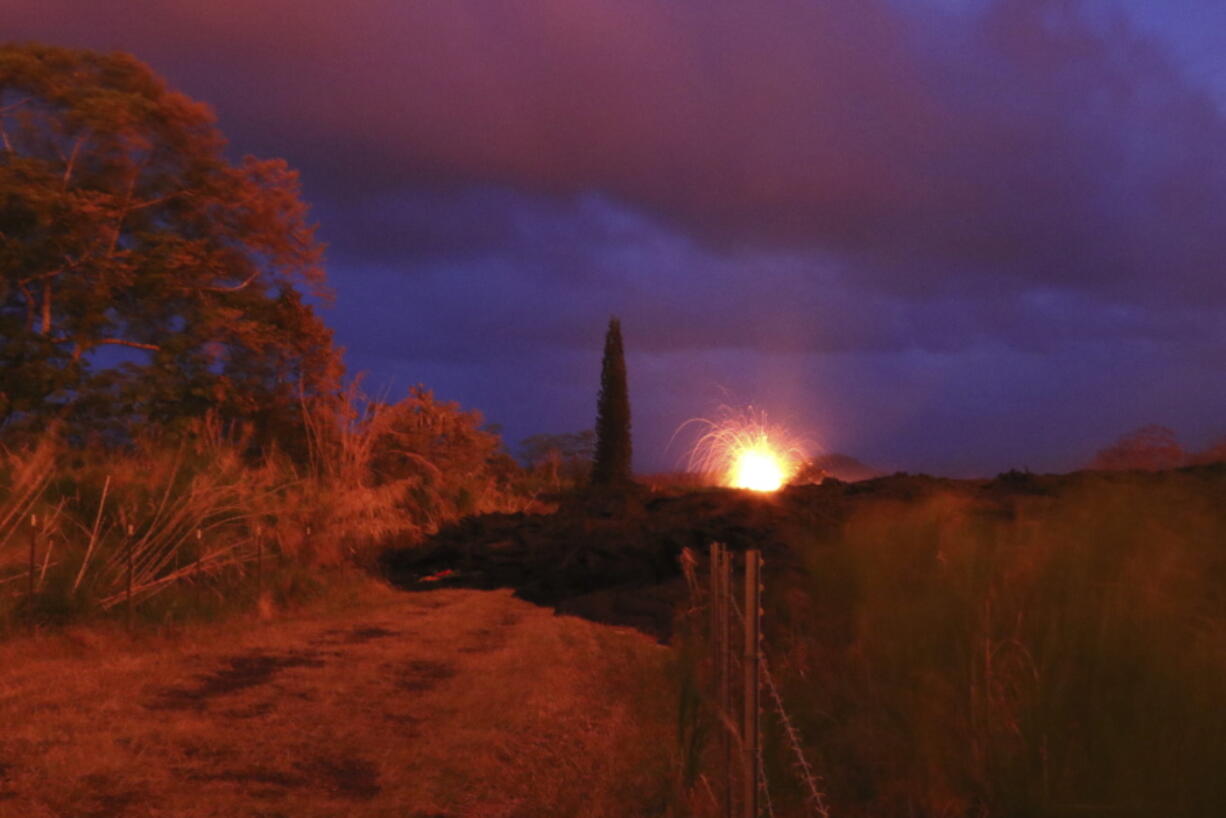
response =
{"points": [[124, 211], [4, 134], [40, 276], [72, 160], [234, 287], [31, 309], [122, 342], [13, 105], [157, 200], [46, 324]]}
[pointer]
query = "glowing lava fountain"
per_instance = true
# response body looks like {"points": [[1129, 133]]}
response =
{"points": [[744, 451]]}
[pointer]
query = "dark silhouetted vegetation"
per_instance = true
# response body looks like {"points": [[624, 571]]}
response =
{"points": [[613, 450], [560, 461]]}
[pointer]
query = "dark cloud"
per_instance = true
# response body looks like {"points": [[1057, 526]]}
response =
{"points": [[1040, 139], [945, 233], [546, 276]]}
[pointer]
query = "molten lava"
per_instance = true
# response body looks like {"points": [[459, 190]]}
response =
{"points": [[759, 469], [743, 451]]}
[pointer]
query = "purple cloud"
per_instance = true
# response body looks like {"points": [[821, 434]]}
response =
{"points": [[848, 195]]}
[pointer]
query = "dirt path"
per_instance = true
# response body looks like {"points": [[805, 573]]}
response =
{"points": [[446, 703]]}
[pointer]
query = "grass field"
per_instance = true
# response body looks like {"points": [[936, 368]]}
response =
{"points": [[1030, 647]]}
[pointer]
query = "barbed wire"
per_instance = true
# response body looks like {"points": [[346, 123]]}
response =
{"points": [[766, 790], [811, 781], [809, 778]]}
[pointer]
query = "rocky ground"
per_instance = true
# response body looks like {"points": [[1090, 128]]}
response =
{"points": [[616, 557]]}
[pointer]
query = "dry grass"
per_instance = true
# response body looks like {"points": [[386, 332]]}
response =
{"points": [[197, 523], [1054, 651], [447, 703]]}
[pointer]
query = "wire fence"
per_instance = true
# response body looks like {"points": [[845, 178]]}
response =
{"points": [[738, 674]]}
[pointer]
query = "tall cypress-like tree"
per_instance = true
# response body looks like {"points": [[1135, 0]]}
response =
{"points": [[613, 451]]}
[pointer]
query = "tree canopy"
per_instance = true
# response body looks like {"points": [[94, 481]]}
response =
{"points": [[562, 459], [568, 447], [144, 277]]}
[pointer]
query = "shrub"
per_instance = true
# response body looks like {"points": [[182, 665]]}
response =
{"points": [[193, 521]]}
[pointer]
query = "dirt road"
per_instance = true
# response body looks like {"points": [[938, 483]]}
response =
{"points": [[445, 703]]}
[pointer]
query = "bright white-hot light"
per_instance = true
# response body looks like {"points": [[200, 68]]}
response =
{"points": [[743, 451], [759, 469]]}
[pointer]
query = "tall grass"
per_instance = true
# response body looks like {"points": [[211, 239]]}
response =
{"points": [[197, 524], [1036, 654]]}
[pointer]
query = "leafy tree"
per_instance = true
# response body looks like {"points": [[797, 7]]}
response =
{"points": [[613, 451], [572, 445], [440, 460], [1150, 448], [561, 459], [143, 276]]}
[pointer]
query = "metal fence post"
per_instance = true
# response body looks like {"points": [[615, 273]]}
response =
{"points": [[30, 578], [750, 732], [259, 561], [131, 569], [720, 647], [714, 596]]}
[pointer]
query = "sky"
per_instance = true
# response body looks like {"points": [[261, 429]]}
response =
{"points": [[951, 236]]}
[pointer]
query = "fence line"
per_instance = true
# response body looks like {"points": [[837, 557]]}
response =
{"points": [[751, 729], [735, 633]]}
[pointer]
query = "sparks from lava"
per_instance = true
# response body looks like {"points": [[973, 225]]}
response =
{"points": [[743, 450]]}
